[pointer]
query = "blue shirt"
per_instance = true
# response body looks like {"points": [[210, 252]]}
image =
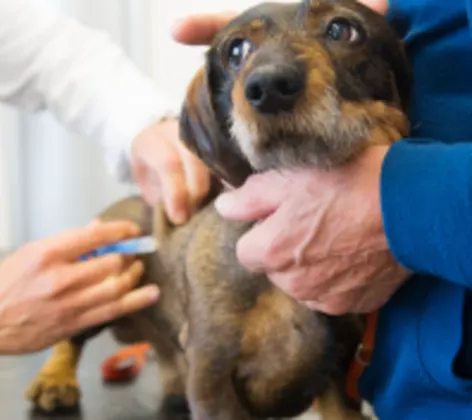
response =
{"points": [[422, 363]]}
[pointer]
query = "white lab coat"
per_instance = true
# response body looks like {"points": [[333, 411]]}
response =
{"points": [[49, 61]]}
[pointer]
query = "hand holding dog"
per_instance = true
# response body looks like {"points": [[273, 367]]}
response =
{"points": [[320, 236], [200, 29], [165, 169], [47, 295]]}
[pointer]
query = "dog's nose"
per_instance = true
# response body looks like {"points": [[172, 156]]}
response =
{"points": [[274, 89]]}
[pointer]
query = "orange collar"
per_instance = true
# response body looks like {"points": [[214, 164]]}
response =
{"points": [[363, 356]]}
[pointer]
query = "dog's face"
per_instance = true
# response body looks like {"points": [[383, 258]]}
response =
{"points": [[286, 85]]}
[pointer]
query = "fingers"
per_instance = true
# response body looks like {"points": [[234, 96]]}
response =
{"points": [[148, 181], [362, 300], [159, 170], [256, 199], [275, 244], [109, 289], [197, 176], [183, 179], [86, 273], [337, 305], [131, 302], [173, 184], [161, 176], [200, 29], [323, 280], [72, 244], [166, 170], [379, 6], [345, 289]]}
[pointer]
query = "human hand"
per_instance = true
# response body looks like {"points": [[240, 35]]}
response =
{"points": [[380, 6], [165, 169], [199, 29], [47, 295], [320, 234]]}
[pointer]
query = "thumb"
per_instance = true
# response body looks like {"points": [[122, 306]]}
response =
{"points": [[260, 196], [379, 6], [201, 28]]}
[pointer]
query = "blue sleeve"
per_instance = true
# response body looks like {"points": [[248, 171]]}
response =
{"points": [[426, 198]]}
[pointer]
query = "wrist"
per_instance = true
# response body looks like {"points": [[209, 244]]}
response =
{"points": [[130, 121], [159, 130], [371, 165], [379, 155]]}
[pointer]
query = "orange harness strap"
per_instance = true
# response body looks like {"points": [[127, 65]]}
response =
{"points": [[126, 363], [363, 356]]}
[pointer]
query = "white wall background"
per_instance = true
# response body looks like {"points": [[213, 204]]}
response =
{"points": [[50, 179]]}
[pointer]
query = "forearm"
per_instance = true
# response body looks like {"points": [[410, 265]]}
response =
{"points": [[426, 193], [51, 62]]}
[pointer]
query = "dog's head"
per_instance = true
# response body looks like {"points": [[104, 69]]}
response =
{"points": [[291, 84]]}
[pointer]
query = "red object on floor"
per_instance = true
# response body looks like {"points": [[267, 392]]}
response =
{"points": [[126, 363]]}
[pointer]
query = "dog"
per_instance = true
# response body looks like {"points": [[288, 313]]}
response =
{"points": [[283, 86]]}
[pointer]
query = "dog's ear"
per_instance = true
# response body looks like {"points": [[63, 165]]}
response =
{"points": [[206, 134], [393, 52]]}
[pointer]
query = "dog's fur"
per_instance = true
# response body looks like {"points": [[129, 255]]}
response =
{"points": [[228, 343]]}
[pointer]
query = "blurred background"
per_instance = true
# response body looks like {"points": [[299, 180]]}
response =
{"points": [[50, 180]]}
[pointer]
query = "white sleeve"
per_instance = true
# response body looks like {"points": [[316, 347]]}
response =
{"points": [[48, 61]]}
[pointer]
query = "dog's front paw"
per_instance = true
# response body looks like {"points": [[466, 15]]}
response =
{"points": [[53, 391], [174, 407]]}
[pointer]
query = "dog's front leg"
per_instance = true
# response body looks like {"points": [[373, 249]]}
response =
{"points": [[56, 386]]}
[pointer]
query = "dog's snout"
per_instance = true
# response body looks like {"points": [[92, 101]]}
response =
{"points": [[274, 89]]}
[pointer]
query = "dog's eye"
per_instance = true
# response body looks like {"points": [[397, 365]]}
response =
{"points": [[239, 51], [343, 30]]}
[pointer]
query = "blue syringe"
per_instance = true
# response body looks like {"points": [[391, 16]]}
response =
{"points": [[135, 246]]}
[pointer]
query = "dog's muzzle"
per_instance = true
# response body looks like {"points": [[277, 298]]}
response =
{"points": [[271, 89]]}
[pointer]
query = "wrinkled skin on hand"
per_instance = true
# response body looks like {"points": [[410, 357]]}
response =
{"points": [[165, 170], [320, 235]]}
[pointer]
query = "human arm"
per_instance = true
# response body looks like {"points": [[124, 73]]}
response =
{"points": [[49, 61], [426, 190]]}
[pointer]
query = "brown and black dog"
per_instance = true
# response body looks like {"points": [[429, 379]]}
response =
{"points": [[284, 85]]}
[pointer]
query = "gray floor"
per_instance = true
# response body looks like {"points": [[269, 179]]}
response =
{"points": [[138, 401]]}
